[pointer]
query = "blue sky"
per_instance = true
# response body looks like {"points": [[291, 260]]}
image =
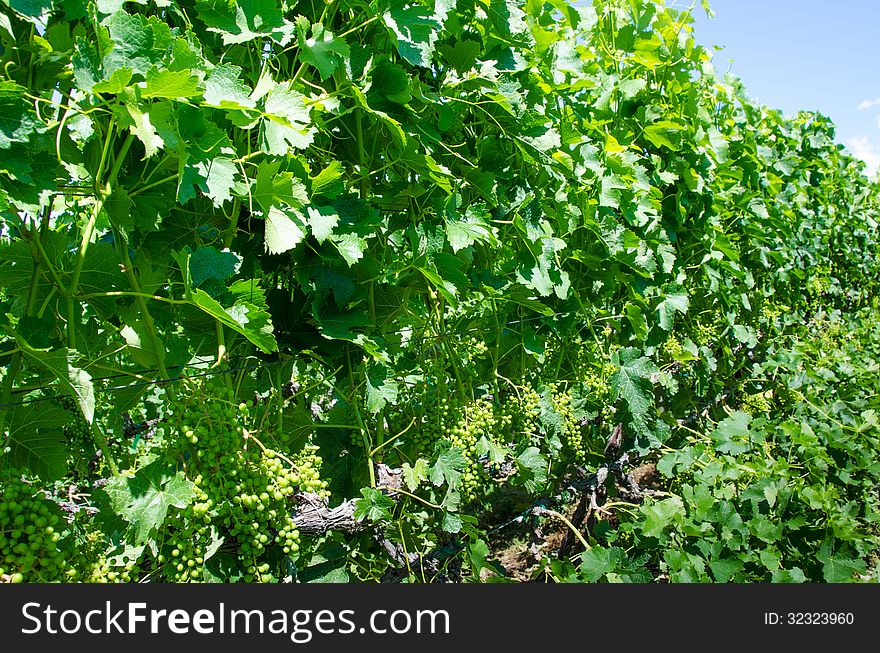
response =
{"points": [[804, 54]]}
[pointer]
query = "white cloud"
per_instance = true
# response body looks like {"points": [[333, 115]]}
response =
{"points": [[867, 104], [865, 150]]}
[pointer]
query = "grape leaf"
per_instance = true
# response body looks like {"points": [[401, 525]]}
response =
{"points": [[322, 220], [247, 314], [285, 229], [467, 231], [143, 499], [732, 434], [171, 84], [451, 522], [207, 263], [448, 467], [532, 469], [413, 475], [416, 29], [599, 561], [659, 515], [17, 121], [666, 133], [373, 506], [321, 50], [672, 303], [224, 89], [139, 43], [36, 441], [286, 121], [382, 388], [634, 383], [350, 247], [240, 22], [75, 381]]}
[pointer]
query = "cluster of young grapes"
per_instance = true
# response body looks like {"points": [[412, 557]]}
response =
{"points": [[308, 463], [671, 348], [31, 528], [80, 444], [91, 564], [519, 414], [755, 404], [462, 424], [474, 347], [703, 334], [772, 311], [572, 433], [595, 383], [242, 489]]}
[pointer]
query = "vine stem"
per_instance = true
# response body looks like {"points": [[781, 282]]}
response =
{"points": [[158, 349], [361, 426], [411, 496], [392, 439], [567, 522], [15, 366], [17, 357], [102, 194]]}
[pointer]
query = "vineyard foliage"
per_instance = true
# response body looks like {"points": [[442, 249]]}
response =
{"points": [[258, 254]]}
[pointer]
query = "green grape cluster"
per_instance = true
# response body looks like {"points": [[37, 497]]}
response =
{"points": [[309, 463], [462, 424], [242, 489], [595, 383], [572, 433], [704, 335], [80, 444], [771, 311], [31, 528], [519, 415], [756, 404], [475, 421], [92, 565], [671, 348]]}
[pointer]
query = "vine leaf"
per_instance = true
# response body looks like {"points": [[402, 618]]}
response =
{"points": [[837, 568], [449, 466], [382, 389], [75, 381], [171, 84], [414, 475], [666, 133], [416, 30], [224, 89], [321, 50], [240, 22], [660, 514], [676, 302], [287, 121], [139, 42], [17, 122], [532, 469], [143, 500], [637, 320], [633, 382], [36, 441], [732, 434], [373, 506], [209, 264], [285, 229], [275, 188], [467, 231], [252, 320]]}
